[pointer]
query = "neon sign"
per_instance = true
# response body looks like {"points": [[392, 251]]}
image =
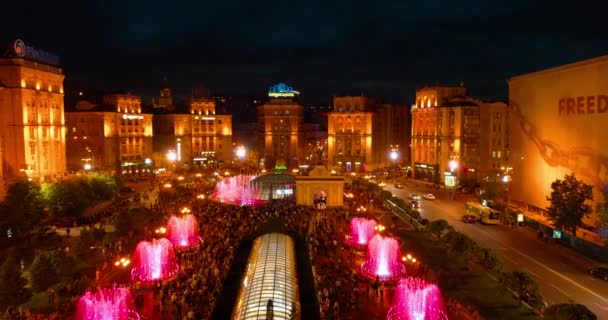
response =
{"points": [[282, 90], [132, 117], [21, 50]]}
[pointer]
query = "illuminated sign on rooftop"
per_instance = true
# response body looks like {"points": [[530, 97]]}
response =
{"points": [[282, 90], [23, 51]]}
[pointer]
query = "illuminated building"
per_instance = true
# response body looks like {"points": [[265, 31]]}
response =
{"points": [[112, 135], [494, 146], [32, 127], [195, 132], [445, 127], [361, 131], [559, 125], [280, 133]]}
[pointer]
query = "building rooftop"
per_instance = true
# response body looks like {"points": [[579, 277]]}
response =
{"points": [[275, 178], [578, 64]]}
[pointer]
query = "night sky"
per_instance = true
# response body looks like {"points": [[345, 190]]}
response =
{"points": [[383, 48]]}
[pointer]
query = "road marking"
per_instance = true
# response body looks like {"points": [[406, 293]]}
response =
{"points": [[560, 275], [562, 291], [535, 274]]}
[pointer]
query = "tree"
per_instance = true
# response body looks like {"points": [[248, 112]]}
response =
{"points": [[489, 259], [12, 284], [438, 228], [568, 311], [568, 207], [526, 288], [42, 273], [462, 244], [22, 209]]}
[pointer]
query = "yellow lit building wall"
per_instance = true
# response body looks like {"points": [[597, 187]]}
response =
{"points": [[32, 123], [559, 125], [280, 122], [445, 126]]}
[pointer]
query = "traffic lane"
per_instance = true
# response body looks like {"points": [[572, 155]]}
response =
{"points": [[555, 285], [560, 281], [556, 257]]}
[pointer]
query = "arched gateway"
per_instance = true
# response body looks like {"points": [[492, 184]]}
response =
{"points": [[320, 189]]}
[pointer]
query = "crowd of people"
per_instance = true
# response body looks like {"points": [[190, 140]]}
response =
{"points": [[195, 291]]}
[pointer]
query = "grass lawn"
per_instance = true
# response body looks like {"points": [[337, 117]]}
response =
{"points": [[470, 287]]}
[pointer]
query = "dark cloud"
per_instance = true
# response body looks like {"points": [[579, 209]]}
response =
{"points": [[383, 47]]}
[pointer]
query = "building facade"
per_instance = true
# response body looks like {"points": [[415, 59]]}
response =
{"points": [[445, 127], [361, 133], [559, 125], [494, 148], [111, 135], [280, 129], [195, 133], [32, 125]]}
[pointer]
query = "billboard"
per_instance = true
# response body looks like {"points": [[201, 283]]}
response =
{"points": [[559, 125]]}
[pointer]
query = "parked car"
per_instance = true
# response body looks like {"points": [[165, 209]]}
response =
{"points": [[429, 196], [398, 186], [469, 218], [415, 204], [599, 272], [414, 196]]}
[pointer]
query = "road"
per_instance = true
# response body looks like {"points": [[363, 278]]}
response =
{"points": [[560, 271]]}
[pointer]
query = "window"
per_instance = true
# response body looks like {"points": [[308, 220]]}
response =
{"points": [[493, 154]]}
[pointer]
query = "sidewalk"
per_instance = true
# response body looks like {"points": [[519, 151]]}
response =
{"points": [[580, 232]]}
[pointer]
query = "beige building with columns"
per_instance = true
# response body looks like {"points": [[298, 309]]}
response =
{"points": [[32, 125], [111, 135]]}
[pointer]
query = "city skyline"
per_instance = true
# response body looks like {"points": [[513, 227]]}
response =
{"points": [[386, 50]]}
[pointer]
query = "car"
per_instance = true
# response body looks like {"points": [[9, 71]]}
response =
{"points": [[415, 204], [599, 272], [398, 186], [381, 184], [414, 196], [469, 218], [429, 196]]}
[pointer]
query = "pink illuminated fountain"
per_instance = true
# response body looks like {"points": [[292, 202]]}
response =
{"points": [[383, 259], [154, 261], [106, 304], [237, 190], [183, 232], [415, 299], [361, 231]]}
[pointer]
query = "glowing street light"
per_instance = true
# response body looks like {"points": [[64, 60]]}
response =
{"points": [[122, 262], [453, 164], [171, 155], [87, 166], [201, 197], [161, 230], [241, 152], [394, 155], [185, 210]]}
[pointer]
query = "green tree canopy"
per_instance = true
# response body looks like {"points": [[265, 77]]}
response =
{"points": [[568, 311], [525, 286], [42, 273], [12, 284], [438, 228], [22, 209], [568, 207]]}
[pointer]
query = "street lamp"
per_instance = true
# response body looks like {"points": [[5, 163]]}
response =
{"points": [[453, 164], [171, 157], [241, 152], [506, 178]]}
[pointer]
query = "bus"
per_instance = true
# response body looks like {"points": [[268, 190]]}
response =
{"points": [[484, 214]]}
